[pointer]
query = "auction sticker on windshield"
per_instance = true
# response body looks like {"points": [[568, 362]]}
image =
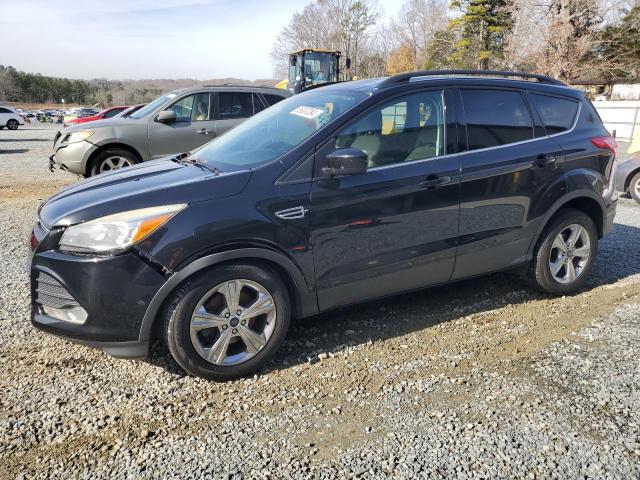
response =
{"points": [[307, 112]]}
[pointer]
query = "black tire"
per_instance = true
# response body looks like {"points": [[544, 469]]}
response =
{"points": [[177, 320], [109, 159], [1, 128], [12, 124], [540, 275], [634, 187]]}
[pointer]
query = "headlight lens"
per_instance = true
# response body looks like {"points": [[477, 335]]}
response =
{"points": [[76, 137], [118, 231]]}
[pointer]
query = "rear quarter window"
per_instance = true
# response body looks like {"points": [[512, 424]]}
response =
{"points": [[557, 114], [272, 99]]}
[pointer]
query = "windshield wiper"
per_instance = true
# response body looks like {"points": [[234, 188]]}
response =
{"points": [[184, 158]]}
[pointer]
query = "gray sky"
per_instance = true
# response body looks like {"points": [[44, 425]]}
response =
{"points": [[120, 39]]}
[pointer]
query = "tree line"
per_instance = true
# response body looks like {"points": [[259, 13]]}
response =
{"points": [[567, 39], [17, 86]]}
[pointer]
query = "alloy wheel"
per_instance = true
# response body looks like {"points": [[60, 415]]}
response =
{"points": [[114, 163], [12, 125], [232, 322], [570, 253]]}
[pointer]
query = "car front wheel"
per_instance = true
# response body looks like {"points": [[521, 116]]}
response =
{"points": [[227, 322], [12, 124], [565, 253], [634, 187], [113, 159]]}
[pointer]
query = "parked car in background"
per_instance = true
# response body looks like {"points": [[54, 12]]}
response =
{"points": [[104, 114], [130, 110], [86, 112], [628, 171], [335, 196], [10, 118], [176, 122]]}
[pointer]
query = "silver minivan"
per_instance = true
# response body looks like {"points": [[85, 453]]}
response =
{"points": [[176, 122]]}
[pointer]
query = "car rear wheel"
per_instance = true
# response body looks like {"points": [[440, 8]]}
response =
{"points": [[12, 124], [228, 322], [113, 159], [565, 253], [634, 187]]}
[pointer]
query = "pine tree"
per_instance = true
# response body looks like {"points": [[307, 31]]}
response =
{"points": [[483, 26]]}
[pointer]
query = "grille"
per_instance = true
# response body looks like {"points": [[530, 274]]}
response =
{"points": [[52, 294]]}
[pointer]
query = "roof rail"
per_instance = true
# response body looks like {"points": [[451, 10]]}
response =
{"points": [[405, 77]]}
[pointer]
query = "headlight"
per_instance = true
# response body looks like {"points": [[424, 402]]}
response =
{"points": [[118, 231], [76, 137]]}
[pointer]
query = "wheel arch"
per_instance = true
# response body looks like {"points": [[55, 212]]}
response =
{"points": [[89, 165], [584, 200], [303, 302], [630, 175]]}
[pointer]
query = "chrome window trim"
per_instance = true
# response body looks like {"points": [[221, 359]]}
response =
{"points": [[575, 124]]}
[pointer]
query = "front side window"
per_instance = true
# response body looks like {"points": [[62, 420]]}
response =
{"points": [[557, 114], [405, 129], [193, 108], [276, 130], [235, 105], [495, 117], [4, 110]]}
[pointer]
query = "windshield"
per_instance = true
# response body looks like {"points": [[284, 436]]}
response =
{"points": [[276, 130], [151, 107], [319, 67]]}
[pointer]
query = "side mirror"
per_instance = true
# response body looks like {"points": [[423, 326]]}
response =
{"points": [[346, 161], [347, 63], [292, 61], [166, 116]]}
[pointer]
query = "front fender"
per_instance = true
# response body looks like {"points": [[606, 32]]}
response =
{"points": [[306, 301]]}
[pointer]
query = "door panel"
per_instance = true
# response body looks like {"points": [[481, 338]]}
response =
{"points": [[503, 187], [393, 228], [194, 127]]}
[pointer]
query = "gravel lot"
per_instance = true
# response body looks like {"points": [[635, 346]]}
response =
{"points": [[481, 379]]}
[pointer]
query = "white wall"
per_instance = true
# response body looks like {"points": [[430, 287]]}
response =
{"points": [[628, 91], [623, 116]]}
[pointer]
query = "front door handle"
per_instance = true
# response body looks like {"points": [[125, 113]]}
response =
{"points": [[544, 160], [204, 131], [434, 182]]}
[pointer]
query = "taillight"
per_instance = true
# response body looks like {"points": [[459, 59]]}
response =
{"points": [[606, 143], [33, 241]]}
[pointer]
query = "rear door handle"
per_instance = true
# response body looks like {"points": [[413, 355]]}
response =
{"points": [[435, 181], [204, 131], [544, 160]]}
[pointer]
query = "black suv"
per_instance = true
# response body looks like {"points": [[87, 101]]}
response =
{"points": [[338, 195]]}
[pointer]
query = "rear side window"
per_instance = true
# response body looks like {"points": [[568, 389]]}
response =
{"points": [[272, 99], [557, 114], [495, 117], [235, 105]]}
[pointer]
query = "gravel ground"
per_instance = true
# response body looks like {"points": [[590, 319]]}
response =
{"points": [[481, 379]]}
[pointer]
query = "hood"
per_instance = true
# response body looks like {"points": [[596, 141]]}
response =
{"points": [[93, 124], [159, 182]]}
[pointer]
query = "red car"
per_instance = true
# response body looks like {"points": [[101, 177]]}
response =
{"points": [[108, 113]]}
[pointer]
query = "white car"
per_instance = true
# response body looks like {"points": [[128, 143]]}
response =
{"points": [[10, 118]]}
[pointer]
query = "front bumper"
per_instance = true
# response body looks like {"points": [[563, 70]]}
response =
{"points": [[114, 291], [72, 157]]}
